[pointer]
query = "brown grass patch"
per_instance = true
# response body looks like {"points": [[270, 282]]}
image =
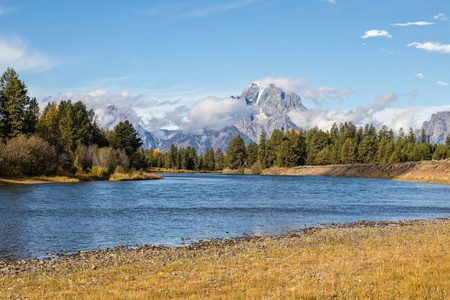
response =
{"points": [[401, 260]]}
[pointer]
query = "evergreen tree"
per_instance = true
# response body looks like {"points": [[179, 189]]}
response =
{"points": [[210, 161], [218, 156], [171, 157], [272, 147], [125, 137], [262, 150], [367, 149], [348, 152], [252, 153], [411, 138], [31, 116], [74, 124], [236, 153], [423, 137], [15, 114], [201, 162], [334, 132]]}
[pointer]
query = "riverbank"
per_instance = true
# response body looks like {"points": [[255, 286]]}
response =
{"points": [[364, 259], [134, 175], [434, 171]]}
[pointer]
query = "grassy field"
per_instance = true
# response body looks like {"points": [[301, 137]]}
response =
{"points": [[387, 260]]}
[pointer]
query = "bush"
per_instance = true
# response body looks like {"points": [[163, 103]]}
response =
{"points": [[99, 172], [28, 156], [256, 168]]}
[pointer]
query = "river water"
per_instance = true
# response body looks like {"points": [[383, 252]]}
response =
{"points": [[56, 217]]}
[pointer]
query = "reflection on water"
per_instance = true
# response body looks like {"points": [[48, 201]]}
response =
{"points": [[38, 219]]}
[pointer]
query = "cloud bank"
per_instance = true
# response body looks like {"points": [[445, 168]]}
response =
{"points": [[216, 114], [378, 114]]}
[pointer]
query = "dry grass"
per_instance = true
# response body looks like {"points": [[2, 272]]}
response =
{"points": [[38, 179], [135, 175], [165, 170], [80, 177], [406, 261]]}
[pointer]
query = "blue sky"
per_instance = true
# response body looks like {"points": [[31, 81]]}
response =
{"points": [[338, 55]]}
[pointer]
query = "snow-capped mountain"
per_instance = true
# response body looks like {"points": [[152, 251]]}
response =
{"points": [[269, 106]]}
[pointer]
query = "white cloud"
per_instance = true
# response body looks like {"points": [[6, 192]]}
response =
{"points": [[376, 33], [330, 1], [126, 106], [7, 10], [432, 47], [384, 101], [306, 89], [420, 75], [378, 114], [15, 53], [319, 94], [216, 114], [442, 83], [289, 85], [420, 23], [441, 17]]}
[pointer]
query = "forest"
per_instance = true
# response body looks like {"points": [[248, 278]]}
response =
{"points": [[62, 139], [65, 139], [343, 144]]}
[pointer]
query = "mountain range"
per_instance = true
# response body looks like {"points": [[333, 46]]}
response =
{"points": [[268, 106]]}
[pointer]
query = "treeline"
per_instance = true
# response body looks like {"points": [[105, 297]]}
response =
{"points": [[63, 139], [343, 144]]}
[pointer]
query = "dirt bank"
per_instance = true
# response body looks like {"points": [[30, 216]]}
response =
{"points": [[421, 171]]}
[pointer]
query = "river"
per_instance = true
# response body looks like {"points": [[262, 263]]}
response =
{"points": [[57, 217]]}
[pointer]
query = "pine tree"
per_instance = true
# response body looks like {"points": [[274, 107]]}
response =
{"points": [[14, 103], [125, 137], [218, 156], [262, 150], [236, 153], [252, 153], [210, 161], [423, 137], [411, 138], [73, 124]]}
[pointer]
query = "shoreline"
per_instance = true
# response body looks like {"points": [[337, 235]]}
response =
{"points": [[434, 171], [386, 259], [201, 244], [78, 178]]}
